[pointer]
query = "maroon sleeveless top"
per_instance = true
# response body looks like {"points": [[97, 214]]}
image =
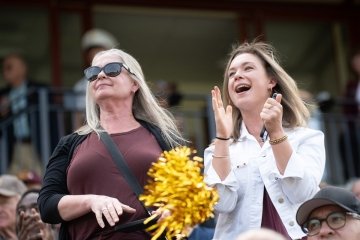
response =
{"points": [[93, 171]]}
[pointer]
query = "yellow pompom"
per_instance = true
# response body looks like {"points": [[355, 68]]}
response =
{"points": [[177, 185]]}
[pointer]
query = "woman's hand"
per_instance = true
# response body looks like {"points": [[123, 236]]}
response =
{"points": [[108, 207], [162, 213], [272, 114], [223, 117]]}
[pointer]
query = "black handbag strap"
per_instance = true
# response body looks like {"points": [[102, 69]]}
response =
{"points": [[122, 165], [132, 181]]}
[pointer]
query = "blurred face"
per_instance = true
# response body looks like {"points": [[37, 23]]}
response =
{"points": [[249, 85], [26, 204], [8, 211], [356, 64], [106, 88], [356, 189], [14, 70], [27, 215], [350, 231]]}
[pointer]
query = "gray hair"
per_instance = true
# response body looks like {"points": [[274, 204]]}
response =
{"points": [[145, 106]]}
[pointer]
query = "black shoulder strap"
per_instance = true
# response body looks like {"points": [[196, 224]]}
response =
{"points": [[121, 164]]}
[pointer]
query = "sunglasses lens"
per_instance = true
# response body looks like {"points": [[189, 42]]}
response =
{"points": [[112, 69], [91, 73]]}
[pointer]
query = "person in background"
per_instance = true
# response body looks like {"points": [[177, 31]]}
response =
{"points": [[93, 41], [28, 223], [18, 95], [11, 189], [353, 185], [349, 139], [260, 234], [31, 179], [352, 89], [315, 121], [333, 213], [119, 102], [261, 177], [168, 94]]}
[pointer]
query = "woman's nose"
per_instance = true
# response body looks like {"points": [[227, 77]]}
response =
{"points": [[101, 74], [238, 75]]}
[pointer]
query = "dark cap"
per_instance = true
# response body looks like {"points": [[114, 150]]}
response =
{"points": [[11, 186], [329, 195], [29, 177]]}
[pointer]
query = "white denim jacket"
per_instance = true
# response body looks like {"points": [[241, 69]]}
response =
{"points": [[253, 167]]}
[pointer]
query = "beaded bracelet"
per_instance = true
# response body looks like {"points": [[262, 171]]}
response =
{"points": [[220, 138], [279, 140]]}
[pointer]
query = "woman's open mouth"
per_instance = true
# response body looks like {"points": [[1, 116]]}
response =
{"points": [[242, 88]]}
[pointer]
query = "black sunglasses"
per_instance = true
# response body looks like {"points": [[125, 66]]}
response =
{"points": [[111, 69]]}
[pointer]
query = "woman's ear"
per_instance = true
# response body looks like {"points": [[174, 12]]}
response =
{"points": [[272, 83], [135, 86]]}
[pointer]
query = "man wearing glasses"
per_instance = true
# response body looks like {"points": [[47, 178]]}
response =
{"points": [[333, 213]]}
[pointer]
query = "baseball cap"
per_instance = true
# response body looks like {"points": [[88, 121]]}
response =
{"points": [[11, 186], [329, 195], [98, 38], [29, 177]]}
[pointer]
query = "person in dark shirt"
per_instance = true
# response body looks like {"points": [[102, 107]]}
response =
{"points": [[349, 137], [82, 187], [17, 100]]}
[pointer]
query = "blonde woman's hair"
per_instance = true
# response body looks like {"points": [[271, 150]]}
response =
{"points": [[145, 106], [295, 112]]}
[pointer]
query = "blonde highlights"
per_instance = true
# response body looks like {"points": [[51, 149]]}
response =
{"points": [[145, 106], [295, 112]]}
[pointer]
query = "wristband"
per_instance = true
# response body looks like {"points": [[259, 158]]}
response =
{"points": [[220, 138]]}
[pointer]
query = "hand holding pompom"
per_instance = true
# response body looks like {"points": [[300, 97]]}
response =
{"points": [[177, 185]]}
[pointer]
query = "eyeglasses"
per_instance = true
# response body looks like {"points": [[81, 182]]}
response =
{"points": [[111, 69], [334, 220]]}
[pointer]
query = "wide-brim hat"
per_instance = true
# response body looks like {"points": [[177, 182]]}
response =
{"points": [[11, 186]]}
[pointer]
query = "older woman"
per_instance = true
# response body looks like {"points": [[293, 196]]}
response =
{"points": [[83, 189], [264, 162]]}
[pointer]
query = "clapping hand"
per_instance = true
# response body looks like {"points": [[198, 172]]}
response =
{"points": [[223, 116]]}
